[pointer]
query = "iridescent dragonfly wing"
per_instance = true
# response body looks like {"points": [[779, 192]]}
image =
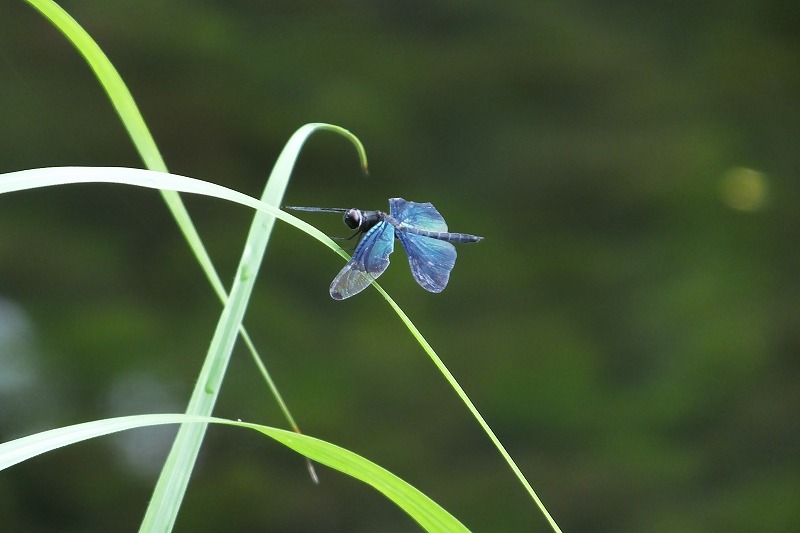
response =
{"points": [[417, 215], [431, 259], [368, 262]]}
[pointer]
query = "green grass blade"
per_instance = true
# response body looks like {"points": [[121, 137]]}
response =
{"points": [[125, 106], [134, 124], [421, 508], [171, 487], [471, 406], [109, 78], [22, 180]]}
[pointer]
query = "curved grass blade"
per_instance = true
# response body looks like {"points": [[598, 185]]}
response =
{"points": [[471, 406], [134, 124], [425, 511], [174, 478], [22, 180], [125, 106]]}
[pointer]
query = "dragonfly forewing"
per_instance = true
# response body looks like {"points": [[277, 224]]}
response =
{"points": [[420, 215], [370, 260]]}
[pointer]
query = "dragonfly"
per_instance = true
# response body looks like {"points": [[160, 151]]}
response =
{"points": [[420, 229]]}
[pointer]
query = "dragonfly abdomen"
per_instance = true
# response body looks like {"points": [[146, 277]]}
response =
{"points": [[443, 235]]}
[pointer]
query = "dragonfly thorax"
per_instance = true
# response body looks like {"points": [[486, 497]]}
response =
{"points": [[362, 220]]}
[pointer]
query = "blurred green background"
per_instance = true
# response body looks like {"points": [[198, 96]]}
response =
{"points": [[629, 326]]}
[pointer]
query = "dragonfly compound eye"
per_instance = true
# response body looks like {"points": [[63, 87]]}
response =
{"points": [[353, 218]]}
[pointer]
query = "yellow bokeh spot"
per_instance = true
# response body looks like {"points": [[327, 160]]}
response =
{"points": [[744, 189]]}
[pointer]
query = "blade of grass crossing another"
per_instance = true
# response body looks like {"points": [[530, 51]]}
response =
{"points": [[28, 179], [171, 487], [125, 106], [425, 511]]}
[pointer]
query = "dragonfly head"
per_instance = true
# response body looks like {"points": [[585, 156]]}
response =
{"points": [[353, 218]]}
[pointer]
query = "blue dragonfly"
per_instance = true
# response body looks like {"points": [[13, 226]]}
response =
{"points": [[421, 230]]}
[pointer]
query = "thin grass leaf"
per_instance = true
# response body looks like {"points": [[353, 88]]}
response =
{"points": [[125, 106], [23, 180], [421, 508], [171, 487]]}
